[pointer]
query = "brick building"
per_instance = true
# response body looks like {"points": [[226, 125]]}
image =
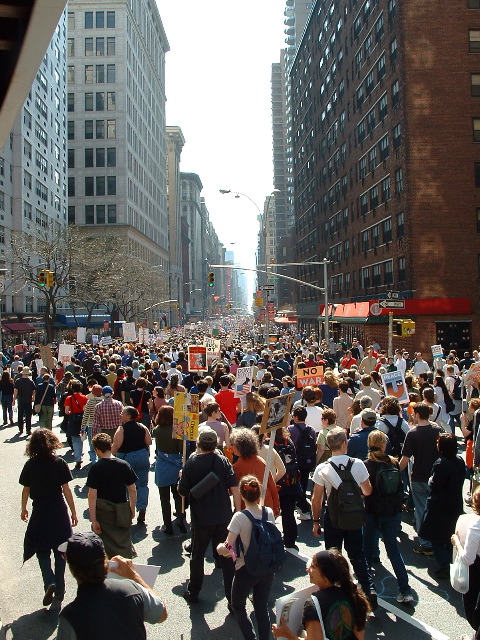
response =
{"points": [[386, 116]]}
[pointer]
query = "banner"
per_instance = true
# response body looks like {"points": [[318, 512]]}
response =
{"points": [[46, 355], [65, 353], [243, 381], [186, 409], [394, 385], [311, 376], [276, 413], [81, 334], [129, 332], [106, 340], [197, 358]]}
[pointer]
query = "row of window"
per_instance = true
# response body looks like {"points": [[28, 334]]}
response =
{"points": [[98, 157], [97, 127], [99, 73], [102, 19], [95, 186], [98, 101], [93, 47], [377, 275], [96, 214]]}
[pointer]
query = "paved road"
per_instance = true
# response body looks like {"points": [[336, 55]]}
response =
{"points": [[21, 589]]}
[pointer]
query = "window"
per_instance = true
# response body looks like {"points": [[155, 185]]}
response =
{"points": [[100, 185], [388, 272], [89, 214], [381, 67], [100, 73], [393, 51], [71, 102], [71, 158], [387, 230], [376, 275], [474, 38], [89, 157], [361, 131], [398, 181], [41, 134], [88, 73], [346, 249], [477, 174], [110, 46], [70, 130], [89, 190], [347, 282], [379, 28], [365, 240], [71, 20], [386, 189], [89, 101], [27, 210], [89, 46], [478, 220], [100, 157], [366, 277], [360, 95], [374, 197], [110, 19], [370, 82], [111, 101], [100, 101], [112, 157], [100, 129], [88, 19], [111, 128], [27, 119], [111, 185], [474, 4], [70, 46], [99, 19], [100, 214], [372, 159], [27, 149], [400, 225], [384, 148], [110, 73], [88, 129], [71, 214], [99, 46], [364, 203], [359, 60], [401, 270], [475, 84], [71, 187], [41, 107], [476, 129], [112, 213], [368, 45], [382, 107], [391, 9], [27, 180], [397, 136], [41, 191], [376, 235], [362, 167], [396, 92]]}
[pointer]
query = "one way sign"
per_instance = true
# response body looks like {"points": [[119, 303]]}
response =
{"points": [[392, 304]]}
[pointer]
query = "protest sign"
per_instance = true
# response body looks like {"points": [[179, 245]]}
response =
{"points": [[197, 358], [243, 381], [394, 385], [106, 340], [129, 332], [290, 608], [276, 413], [46, 355], [81, 334], [186, 408], [311, 376], [94, 339], [65, 353]]}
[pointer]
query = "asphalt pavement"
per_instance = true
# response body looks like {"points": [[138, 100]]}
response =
{"points": [[437, 612]]}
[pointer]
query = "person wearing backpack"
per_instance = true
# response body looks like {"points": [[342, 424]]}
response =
{"points": [[255, 545], [344, 480], [357, 444], [304, 439], [290, 488], [382, 509]]}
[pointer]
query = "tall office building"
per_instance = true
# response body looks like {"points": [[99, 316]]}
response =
{"points": [[117, 141], [33, 177], [386, 171]]}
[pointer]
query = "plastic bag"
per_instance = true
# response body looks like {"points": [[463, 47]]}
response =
{"points": [[459, 574]]}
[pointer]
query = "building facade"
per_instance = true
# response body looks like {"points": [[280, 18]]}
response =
{"points": [[117, 138], [375, 192]]}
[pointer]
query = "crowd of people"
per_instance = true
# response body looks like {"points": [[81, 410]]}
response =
{"points": [[349, 459]]}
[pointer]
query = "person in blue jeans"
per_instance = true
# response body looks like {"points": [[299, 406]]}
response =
{"points": [[382, 511], [131, 442]]}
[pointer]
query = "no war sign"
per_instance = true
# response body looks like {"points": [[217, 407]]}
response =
{"points": [[310, 377]]}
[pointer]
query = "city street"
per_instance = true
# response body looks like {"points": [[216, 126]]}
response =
{"points": [[21, 591]]}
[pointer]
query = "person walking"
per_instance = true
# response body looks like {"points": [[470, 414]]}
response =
{"points": [[107, 414], [23, 395], [74, 405], [131, 442], [87, 420], [45, 478], [45, 396], [7, 388]]}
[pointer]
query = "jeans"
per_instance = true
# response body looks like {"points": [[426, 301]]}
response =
{"points": [[166, 506], [140, 462], [243, 583], [201, 537], [302, 502], [289, 521], [7, 408], [420, 495], [77, 446], [25, 412], [388, 526], [49, 577], [353, 541], [91, 450]]}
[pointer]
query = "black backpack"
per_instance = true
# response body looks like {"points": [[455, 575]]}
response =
{"points": [[395, 434], [345, 504], [306, 449], [286, 451], [387, 497], [266, 553], [457, 388]]}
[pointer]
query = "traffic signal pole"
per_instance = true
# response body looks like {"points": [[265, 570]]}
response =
{"points": [[390, 334]]}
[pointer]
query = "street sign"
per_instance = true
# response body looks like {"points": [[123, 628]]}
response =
{"points": [[375, 309], [392, 304], [268, 287], [393, 295]]}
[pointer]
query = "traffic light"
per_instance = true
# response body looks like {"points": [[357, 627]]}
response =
{"points": [[211, 279], [403, 328], [42, 278], [50, 278]]}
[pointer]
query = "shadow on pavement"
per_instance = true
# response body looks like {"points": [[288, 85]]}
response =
{"points": [[39, 624]]}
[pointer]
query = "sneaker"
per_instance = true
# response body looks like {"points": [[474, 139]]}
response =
{"points": [[404, 598], [305, 516], [422, 550], [192, 598], [187, 547], [48, 597]]}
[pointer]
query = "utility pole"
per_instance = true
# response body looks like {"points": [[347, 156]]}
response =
{"points": [[325, 285], [390, 334]]}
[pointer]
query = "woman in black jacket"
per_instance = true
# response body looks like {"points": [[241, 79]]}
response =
{"points": [[7, 387], [445, 502]]}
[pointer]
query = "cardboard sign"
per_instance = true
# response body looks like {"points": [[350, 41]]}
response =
{"points": [[394, 385], [437, 350], [65, 353], [243, 381], [129, 332], [46, 355], [472, 375], [197, 358], [310, 377], [81, 334], [276, 413]]}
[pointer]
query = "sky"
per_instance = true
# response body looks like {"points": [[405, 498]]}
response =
{"points": [[218, 86]]}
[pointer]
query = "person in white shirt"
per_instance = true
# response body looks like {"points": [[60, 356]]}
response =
{"points": [[420, 366], [400, 363], [451, 363]]}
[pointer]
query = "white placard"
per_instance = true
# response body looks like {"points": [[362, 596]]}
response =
{"points": [[143, 335], [81, 334], [129, 332], [437, 350], [65, 353], [38, 364], [148, 572], [106, 340], [94, 339], [291, 608]]}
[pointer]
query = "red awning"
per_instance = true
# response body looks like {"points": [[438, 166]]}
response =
{"points": [[18, 327], [284, 320]]}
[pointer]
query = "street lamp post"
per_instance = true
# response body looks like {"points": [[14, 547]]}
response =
{"points": [[325, 285]]}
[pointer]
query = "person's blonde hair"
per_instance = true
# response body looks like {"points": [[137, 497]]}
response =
{"points": [[376, 443]]}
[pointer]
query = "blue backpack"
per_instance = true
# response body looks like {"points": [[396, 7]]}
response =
{"points": [[266, 552]]}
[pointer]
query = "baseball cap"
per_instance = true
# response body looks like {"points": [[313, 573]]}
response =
{"points": [[207, 436], [82, 549], [97, 367], [107, 390], [368, 416]]}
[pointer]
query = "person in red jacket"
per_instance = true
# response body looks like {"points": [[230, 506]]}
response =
{"points": [[229, 405]]}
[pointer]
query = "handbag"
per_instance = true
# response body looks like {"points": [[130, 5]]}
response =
{"points": [[205, 484], [459, 574], [38, 407]]}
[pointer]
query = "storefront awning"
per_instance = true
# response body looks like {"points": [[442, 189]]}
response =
{"points": [[18, 327], [284, 320]]}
